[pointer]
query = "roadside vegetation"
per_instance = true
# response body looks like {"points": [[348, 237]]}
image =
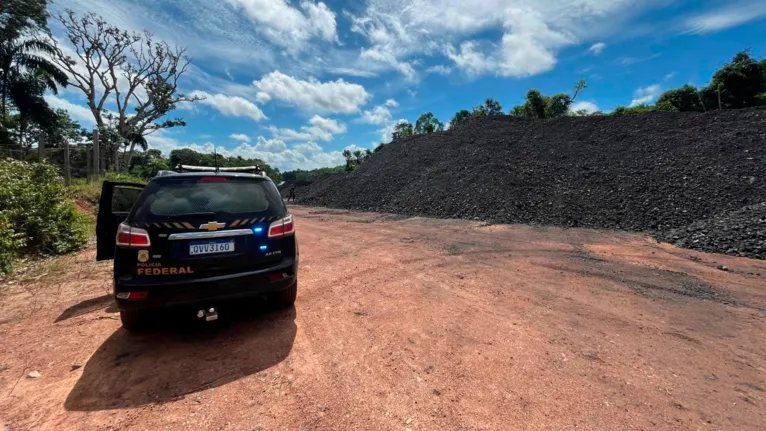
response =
{"points": [[131, 84], [38, 215]]}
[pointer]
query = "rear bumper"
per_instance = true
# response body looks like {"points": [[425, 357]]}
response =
{"points": [[206, 291]]}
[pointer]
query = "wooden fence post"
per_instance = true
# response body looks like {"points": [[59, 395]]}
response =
{"points": [[89, 162], [41, 148], [67, 168], [96, 156]]}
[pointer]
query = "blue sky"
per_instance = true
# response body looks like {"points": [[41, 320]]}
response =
{"points": [[295, 82]]}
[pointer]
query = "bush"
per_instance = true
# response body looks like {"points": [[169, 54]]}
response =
{"points": [[10, 244], [37, 214], [91, 191]]}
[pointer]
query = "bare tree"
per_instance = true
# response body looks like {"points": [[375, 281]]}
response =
{"points": [[132, 71]]}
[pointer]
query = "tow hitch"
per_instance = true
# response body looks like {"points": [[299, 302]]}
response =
{"points": [[209, 315]]}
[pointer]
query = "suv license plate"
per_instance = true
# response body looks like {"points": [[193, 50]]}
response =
{"points": [[210, 247]]}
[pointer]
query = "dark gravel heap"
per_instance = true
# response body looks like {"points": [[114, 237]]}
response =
{"points": [[741, 232], [657, 171]]}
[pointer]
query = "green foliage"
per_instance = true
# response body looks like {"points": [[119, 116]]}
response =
{"points": [[557, 105], [638, 109], [356, 158], [684, 99], [534, 106], [38, 215], [25, 71], [538, 105], [490, 107], [460, 117], [428, 123], [20, 17], [148, 164], [402, 130], [10, 244], [738, 84], [91, 190], [300, 174]]}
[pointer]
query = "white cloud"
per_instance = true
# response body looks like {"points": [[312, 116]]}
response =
{"points": [[312, 95], [644, 95], [379, 115], [76, 112], [302, 156], [731, 15], [262, 97], [533, 31], [318, 128], [288, 26], [275, 152], [308, 148], [440, 69], [589, 107], [270, 145], [350, 71], [525, 52], [381, 59], [354, 147], [597, 48], [232, 106], [470, 59], [388, 129], [240, 137]]}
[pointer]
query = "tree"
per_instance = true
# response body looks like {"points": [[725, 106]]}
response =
{"points": [[428, 123], [402, 130], [738, 84], [579, 87], [557, 105], [460, 117], [140, 76], [684, 99], [25, 73], [535, 106], [638, 109], [350, 162], [21, 17], [490, 107]]}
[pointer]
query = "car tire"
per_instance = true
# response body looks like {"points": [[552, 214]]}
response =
{"points": [[285, 298], [133, 321]]}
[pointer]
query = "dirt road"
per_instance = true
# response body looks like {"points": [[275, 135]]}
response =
{"points": [[410, 324]]}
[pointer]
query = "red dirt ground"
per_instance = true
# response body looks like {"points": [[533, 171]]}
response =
{"points": [[409, 324]]}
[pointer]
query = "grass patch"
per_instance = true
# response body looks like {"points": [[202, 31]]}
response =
{"points": [[459, 248], [90, 191]]}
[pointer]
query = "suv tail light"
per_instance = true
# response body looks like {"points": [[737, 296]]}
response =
{"points": [[282, 227], [128, 236]]}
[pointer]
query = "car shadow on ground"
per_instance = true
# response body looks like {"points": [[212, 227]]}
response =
{"points": [[104, 302], [183, 356]]}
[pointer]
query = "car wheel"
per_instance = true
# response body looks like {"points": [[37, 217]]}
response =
{"points": [[133, 321], [285, 298]]}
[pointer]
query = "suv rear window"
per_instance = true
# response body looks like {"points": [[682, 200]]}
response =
{"points": [[178, 197]]}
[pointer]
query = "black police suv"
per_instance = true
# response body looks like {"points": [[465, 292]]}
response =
{"points": [[196, 239]]}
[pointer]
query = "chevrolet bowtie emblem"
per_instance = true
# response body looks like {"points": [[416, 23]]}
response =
{"points": [[212, 226]]}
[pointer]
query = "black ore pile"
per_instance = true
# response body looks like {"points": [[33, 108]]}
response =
{"points": [[685, 176]]}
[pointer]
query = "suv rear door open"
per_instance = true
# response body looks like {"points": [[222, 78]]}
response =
{"points": [[116, 202]]}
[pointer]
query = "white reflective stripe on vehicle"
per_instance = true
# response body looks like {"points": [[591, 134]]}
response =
{"points": [[206, 235]]}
